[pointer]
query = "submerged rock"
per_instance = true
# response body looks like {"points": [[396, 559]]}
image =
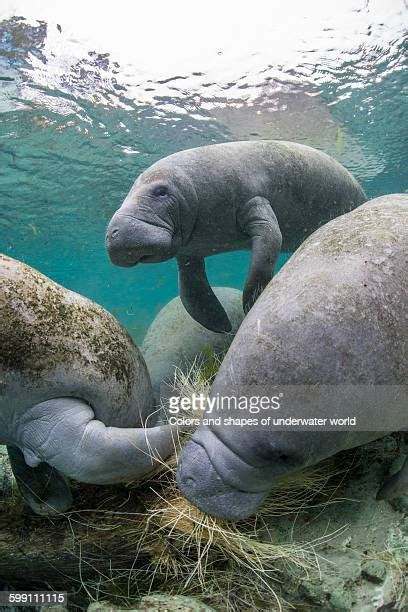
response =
{"points": [[363, 564], [374, 570], [157, 602], [7, 482]]}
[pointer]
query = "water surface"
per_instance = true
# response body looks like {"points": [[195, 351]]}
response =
{"points": [[91, 95]]}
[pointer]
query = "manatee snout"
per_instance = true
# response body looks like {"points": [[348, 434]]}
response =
{"points": [[229, 474], [130, 241], [201, 484]]}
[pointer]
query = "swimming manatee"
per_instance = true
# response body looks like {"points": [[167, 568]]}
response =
{"points": [[174, 340], [75, 393], [335, 317], [259, 195]]}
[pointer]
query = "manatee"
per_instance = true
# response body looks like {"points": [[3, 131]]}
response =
{"points": [[174, 339], [335, 315], [75, 395], [258, 195]]}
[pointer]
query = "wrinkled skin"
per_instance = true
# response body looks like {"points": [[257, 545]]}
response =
{"points": [[75, 393], [227, 197], [336, 314]]}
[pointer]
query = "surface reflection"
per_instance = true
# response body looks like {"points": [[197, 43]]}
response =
{"points": [[91, 95]]}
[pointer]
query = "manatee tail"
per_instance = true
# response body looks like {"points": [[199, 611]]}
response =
{"points": [[64, 433]]}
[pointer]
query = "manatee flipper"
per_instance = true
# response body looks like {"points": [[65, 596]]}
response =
{"points": [[257, 219], [64, 433], [43, 488], [197, 296], [397, 485]]}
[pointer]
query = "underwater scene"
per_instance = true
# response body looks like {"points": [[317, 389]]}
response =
{"points": [[200, 203]]}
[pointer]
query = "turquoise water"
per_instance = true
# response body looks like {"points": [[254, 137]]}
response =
{"points": [[91, 96]]}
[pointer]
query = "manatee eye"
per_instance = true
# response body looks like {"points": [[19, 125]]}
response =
{"points": [[160, 191]]}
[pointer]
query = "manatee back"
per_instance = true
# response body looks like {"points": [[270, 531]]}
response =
{"points": [[337, 312], [56, 343], [306, 187]]}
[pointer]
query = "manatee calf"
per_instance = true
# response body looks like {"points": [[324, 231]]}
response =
{"points": [[258, 195], [74, 392], [174, 339], [336, 314]]}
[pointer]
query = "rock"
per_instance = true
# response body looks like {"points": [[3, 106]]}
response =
{"points": [[171, 603], [400, 503], [400, 499], [106, 606], [156, 603], [174, 339], [346, 564], [328, 594], [363, 568], [374, 570], [7, 482]]}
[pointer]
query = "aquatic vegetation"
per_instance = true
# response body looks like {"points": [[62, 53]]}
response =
{"points": [[211, 558], [119, 544], [197, 377], [176, 548]]}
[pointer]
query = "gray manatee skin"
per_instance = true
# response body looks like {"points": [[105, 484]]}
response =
{"points": [[335, 314], [257, 195], [174, 339], [74, 391]]}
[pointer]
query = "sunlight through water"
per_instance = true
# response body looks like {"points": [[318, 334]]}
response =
{"points": [[91, 94]]}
